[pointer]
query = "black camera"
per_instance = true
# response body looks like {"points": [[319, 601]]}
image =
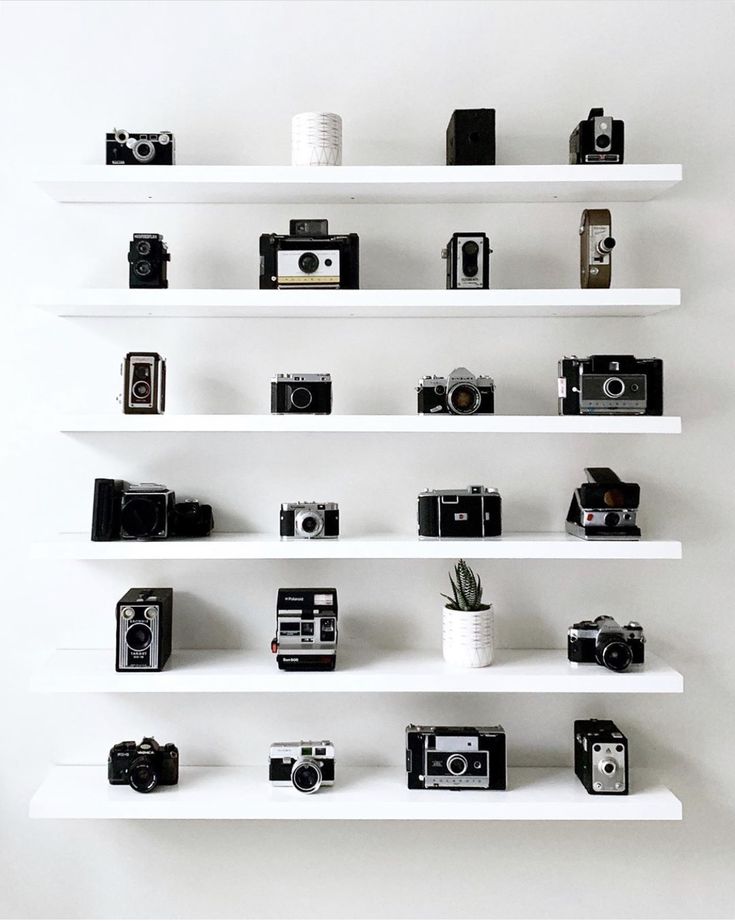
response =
{"points": [[604, 385], [471, 138], [306, 766], [468, 260], [144, 383], [306, 629], [605, 642], [604, 508], [145, 511], [597, 139], [148, 257], [309, 520], [301, 393], [460, 513], [456, 757], [144, 623], [127, 148], [460, 393], [143, 767], [601, 757], [309, 257]]}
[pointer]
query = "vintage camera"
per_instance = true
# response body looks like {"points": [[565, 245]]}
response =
{"points": [[460, 513], [301, 393], [309, 520], [125, 148], [309, 257], [306, 629], [456, 757], [605, 642], [148, 257], [604, 385], [601, 757], [144, 622], [145, 511], [596, 244], [461, 393], [597, 139], [307, 766], [604, 508], [468, 260], [144, 383], [471, 138], [143, 767]]}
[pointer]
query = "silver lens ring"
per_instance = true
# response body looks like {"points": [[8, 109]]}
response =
{"points": [[306, 775], [476, 398], [143, 157], [617, 384], [305, 530], [608, 766], [456, 765]]}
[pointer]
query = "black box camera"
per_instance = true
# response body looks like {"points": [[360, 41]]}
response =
{"points": [[144, 619], [144, 383], [601, 757], [309, 257], [471, 138], [597, 139]]}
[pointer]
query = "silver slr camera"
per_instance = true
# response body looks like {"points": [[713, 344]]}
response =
{"points": [[309, 520], [307, 766], [460, 393]]}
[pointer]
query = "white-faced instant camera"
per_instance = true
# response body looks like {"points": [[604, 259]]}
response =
{"points": [[309, 257], [307, 766], [455, 757]]}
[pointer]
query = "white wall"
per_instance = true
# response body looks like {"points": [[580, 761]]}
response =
{"points": [[226, 77]]}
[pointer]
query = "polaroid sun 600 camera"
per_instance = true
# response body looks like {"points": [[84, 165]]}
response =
{"points": [[128, 148], [309, 520], [456, 757], [143, 767], [468, 260], [309, 257], [307, 766], [306, 629], [144, 621], [144, 383], [603, 385], [604, 642], [148, 257], [459, 513], [301, 393], [145, 511], [596, 244], [601, 757], [460, 393], [604, 508], [597, 139]]}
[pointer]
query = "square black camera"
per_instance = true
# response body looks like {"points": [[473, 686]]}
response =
{"points": [[306, 629], [301, 393], [460, 513], [143, 766], [603, 385], [597, 139], [145, 511], [144, 619], [468, 260], [604, 642], [148, 256], [601, 757], [604, 508], [132, 148], [309, 257], [460, 394], [144, 383], [456, 757], [471, 138]]}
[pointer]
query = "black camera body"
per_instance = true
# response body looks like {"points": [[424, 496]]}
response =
{"points": [[148, 256], [301, 393], [603, 385], [309, 257], [133, 148], [306, 629], [601, 757], [597, 139], [144, 383], [144, 619], [469, 513], [145, 511], [459, 394], [468, 261], [456, 758], [143, 766], [603, 641], [471, 138], [604, 508], [309, 520]]}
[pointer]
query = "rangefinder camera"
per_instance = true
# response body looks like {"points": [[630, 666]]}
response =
{"points": [[309, 257], [309, 520], [597, 139], [459, 513], [607, 385], [596, 244], [604, 508], [143, 766], [148, 257], [456, 757], [601, 757], [145, 511], [130, 148], [605, 642], [468, 260], [307, 766], [144, 383], [460, 393], [301, 393], [144, 619], [306, 629]]}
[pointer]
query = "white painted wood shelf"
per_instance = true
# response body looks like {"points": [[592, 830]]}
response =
{"points": [[366, 670], [224, 303], [367, 793], [238, 546], [359, 424], [361, 184]]}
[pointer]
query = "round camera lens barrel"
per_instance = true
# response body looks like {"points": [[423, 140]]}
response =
{"points": [[463, 399], [617, 656], [308, 263], [602, 140], [613, 387], [142, 775], [612, 519], [143, 268], [306, 776], [301, 397]]}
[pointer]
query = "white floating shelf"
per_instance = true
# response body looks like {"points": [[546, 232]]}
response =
{"points": [[222, 671], [233, 546], [376, 793], [361, 184], [223, 303], [564, 425]]}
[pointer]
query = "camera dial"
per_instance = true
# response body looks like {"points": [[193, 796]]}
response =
{"points": [[308, 263], [456, 765], [121, 136], [306, 776], [151, 612], [163, 138], [142, 774], [127, 613]]}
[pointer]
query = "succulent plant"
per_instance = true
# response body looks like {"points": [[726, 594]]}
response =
{"points": [[466, 590]]}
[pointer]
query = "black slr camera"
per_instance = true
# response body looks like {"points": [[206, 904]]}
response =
{"points": [[143, 767], [301, 393], [460, 393], [604, 508], [597, 139], [148, 257], [306, 629], [471, 138], [125, 148], [456, 757], [605, 642], [144, 624], [309, 520], [603, 385], [460, 513], [468, 260], [309, 257], [601, 757], [307, 766], [145, 511], [144, 383]]}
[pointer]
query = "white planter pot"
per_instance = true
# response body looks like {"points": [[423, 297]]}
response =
{"points": [[316, 139], [468, 637]]}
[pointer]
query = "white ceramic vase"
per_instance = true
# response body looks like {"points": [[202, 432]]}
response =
{"points": [[468, 637], [316, 139]]}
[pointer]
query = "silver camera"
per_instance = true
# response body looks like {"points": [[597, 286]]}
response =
{"points": [[309, 520], [460, 393], [307, 766]]}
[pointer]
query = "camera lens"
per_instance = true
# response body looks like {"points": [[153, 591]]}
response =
{"points": [[613, 387], [456, 764], [617, 656], [602, 140], [301, 398], [608, 766], [143, 268], [470, 266], [139, 637], [306, 776], [141, 390], [612, 519], [143, 247], [141, 517], [463, 399], [142, 775], [308, 263], [309, 524], [143, 151]]}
